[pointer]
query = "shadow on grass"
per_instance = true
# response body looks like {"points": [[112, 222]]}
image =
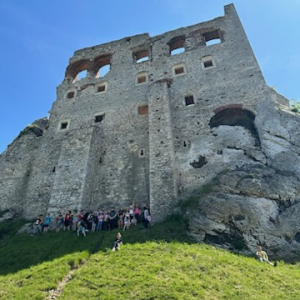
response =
{"points": [[22, 251]]}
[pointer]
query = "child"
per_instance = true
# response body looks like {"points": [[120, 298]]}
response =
{"points": [[118, 242], [126, 223], [133, 221], [81, 227]]}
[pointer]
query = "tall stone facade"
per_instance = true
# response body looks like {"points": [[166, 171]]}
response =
{"points": [[137, 133]]}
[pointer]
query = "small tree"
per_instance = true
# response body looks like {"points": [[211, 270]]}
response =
{"points": [[295, 106]]}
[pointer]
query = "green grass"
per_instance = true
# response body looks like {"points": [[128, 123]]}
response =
{"points": [[161, 262]]}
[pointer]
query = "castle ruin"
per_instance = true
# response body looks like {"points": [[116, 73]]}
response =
{"points": [[137, 127]]}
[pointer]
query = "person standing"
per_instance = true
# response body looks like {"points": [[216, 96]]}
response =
{"points": [[81, 227], [137, 213], [47, 223], [147, 216], [67, 220], [42, 222], [75, 220], [59, 221], [36, 225], [113, 221]]}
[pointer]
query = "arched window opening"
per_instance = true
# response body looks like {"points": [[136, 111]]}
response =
{"points": [[77, 70], [102, 65], [212, 37], [81, 75], [103, 71], [177, 45], [141, 56]]}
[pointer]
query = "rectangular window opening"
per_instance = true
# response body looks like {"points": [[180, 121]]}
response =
{"points": [[213, 42], [179, 70], [208, 64], [189, 100], [63, 125], [141, 79], [178, 51], [101, 88], [71, 95], [143, 110]]}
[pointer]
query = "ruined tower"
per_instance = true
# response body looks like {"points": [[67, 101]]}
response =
{"points": [[131, 121]]}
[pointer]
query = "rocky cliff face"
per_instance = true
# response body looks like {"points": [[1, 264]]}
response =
{"points": [[255, 198]]}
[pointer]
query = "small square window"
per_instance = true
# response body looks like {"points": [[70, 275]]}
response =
{"points": [[179, 70], [143, 110], [71, 95], [99, 118], [101, 88], [189, 100], [208, 64], [64, 125]]}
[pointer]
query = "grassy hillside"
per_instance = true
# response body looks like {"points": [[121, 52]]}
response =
{"points": [[159, 263]]}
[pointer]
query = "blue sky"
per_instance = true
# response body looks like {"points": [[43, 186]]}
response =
{"points": [[39, 36]]}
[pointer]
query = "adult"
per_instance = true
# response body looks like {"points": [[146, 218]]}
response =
{"points": [[95, 221], [263, 256], [113, 220], [59, 221], [42, 222], [106, 222], [36, 225], [100, 221], [147, 217], [121, 218], [75, 220], [67, 220], [137, 213], [47, 223], [118, 242]]}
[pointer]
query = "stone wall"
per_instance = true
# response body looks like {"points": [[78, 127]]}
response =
{"points": [[141, 132]]}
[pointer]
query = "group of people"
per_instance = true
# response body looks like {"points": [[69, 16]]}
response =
{"points": [[104, 219], [101, 219]]}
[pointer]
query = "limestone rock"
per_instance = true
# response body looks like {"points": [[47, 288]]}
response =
{"points": [[255, 200]]}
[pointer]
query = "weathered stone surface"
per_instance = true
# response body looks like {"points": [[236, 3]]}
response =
{"points": [[255, 201], [154, 131]]}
